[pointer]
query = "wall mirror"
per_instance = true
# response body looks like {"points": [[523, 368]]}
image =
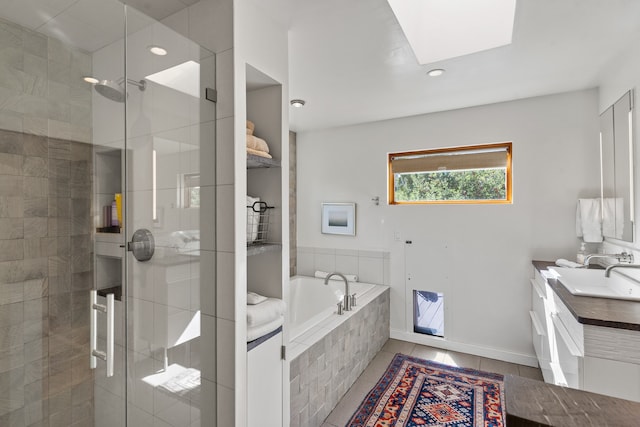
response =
{"points": [[617, 169]]}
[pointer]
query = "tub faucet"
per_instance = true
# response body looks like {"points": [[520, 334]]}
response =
{"points": [[346, 299], [621, 257]]}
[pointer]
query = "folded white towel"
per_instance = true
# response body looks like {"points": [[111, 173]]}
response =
{"points": [[257, 331], [613, 217], [253, 298], [589, 220], [265, 312], [323, 274]]}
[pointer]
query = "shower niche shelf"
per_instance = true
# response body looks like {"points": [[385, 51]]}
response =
{"points": [[255, 162], [108, 182]]}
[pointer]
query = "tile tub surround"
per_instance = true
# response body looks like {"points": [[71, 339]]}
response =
{"points": [[327, 359], [370, 266], [46, 271]]}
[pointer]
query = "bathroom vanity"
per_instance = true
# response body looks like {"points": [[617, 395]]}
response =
{"points": [[584, 342]]}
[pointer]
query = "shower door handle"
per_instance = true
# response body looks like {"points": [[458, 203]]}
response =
{"points": [[107, 309]]}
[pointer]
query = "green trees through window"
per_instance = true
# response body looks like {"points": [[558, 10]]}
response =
{"points": [[485, 184]]}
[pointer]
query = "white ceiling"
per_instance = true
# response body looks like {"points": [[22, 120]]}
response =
{"points": [[351, 62]]}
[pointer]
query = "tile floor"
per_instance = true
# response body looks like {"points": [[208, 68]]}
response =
{"points": [[349, 403]]}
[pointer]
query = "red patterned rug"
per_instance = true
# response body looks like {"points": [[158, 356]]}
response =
{"points": [[415, 392]]}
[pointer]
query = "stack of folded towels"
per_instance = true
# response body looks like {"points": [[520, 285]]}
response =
{"points": [[264, 315], [255, 145]]}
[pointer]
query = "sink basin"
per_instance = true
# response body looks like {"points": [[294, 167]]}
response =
{"points": [[592, 283]]}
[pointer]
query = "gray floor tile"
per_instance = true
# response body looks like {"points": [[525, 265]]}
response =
{"points": [[498, 366], [349, 403], [429, 353], [462, 360], [397, 346]]}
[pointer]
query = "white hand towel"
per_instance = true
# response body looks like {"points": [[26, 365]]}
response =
{"points": [[613, 217], [265, 312], [253, 298], [323, 274], [589, 220]]}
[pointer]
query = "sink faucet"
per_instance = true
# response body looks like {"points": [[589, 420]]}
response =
{"points": [[346, 298], [621, 257], [607, 272]]}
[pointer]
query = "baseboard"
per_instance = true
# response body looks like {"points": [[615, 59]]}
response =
{"points": [[491, 353]]}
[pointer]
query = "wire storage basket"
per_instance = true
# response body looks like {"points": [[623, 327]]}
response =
{"points": [[258, 222]]}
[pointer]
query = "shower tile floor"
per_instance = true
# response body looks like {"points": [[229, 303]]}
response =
{"points": [[350, 402]]}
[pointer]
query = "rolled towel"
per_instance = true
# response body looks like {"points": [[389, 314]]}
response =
{"points": [[250, 127], [265, 312], [323, 274], [259, 153], [251, 142], [253, 298], [261, 144]]}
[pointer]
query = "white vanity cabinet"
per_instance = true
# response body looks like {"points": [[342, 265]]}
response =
{"points": [[579, 354]]}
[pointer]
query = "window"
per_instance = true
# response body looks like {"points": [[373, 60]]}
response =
{"points": [[472, 174], [189, 190]]}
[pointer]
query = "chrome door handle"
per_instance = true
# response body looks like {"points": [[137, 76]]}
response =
{"points": [[107, 309], [142, 245]]}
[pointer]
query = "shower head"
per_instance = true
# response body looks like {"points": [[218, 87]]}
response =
{"points": [[111, 90], [114, 90]]}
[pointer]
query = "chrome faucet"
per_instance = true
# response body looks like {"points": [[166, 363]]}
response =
{"points": [[621, 257], [347, 296], [607, 272]]}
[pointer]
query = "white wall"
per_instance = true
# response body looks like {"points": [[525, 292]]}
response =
{"points": [[479, 255]]}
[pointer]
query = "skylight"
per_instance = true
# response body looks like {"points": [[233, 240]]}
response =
{"points": [[183, 77], [443, 29]]}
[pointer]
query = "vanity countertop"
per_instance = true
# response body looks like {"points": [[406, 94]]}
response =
{"points": [[612, 313], [532, 403]]}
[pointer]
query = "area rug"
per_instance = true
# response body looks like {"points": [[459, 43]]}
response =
{"points": [[416, 392]]}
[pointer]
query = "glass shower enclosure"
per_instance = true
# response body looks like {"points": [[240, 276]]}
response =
{"points": [[107, 189]]}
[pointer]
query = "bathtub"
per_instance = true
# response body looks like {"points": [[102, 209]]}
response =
{"points": [[326, 351], [311, 301]]}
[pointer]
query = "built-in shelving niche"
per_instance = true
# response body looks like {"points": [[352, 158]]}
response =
{"points": [[108, 271], [264, 101], [264, 180]]}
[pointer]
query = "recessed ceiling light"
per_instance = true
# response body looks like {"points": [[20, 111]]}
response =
{"points": [[90, 79], [298, 103], [157, 50], [435, 72]]}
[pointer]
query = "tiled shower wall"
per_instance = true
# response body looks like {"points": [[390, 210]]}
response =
{"points": [[46, 272], [41, 86], [45, 231]]}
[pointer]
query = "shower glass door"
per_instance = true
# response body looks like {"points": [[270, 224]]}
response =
{"points": [[169, 156], [102, 136]]}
